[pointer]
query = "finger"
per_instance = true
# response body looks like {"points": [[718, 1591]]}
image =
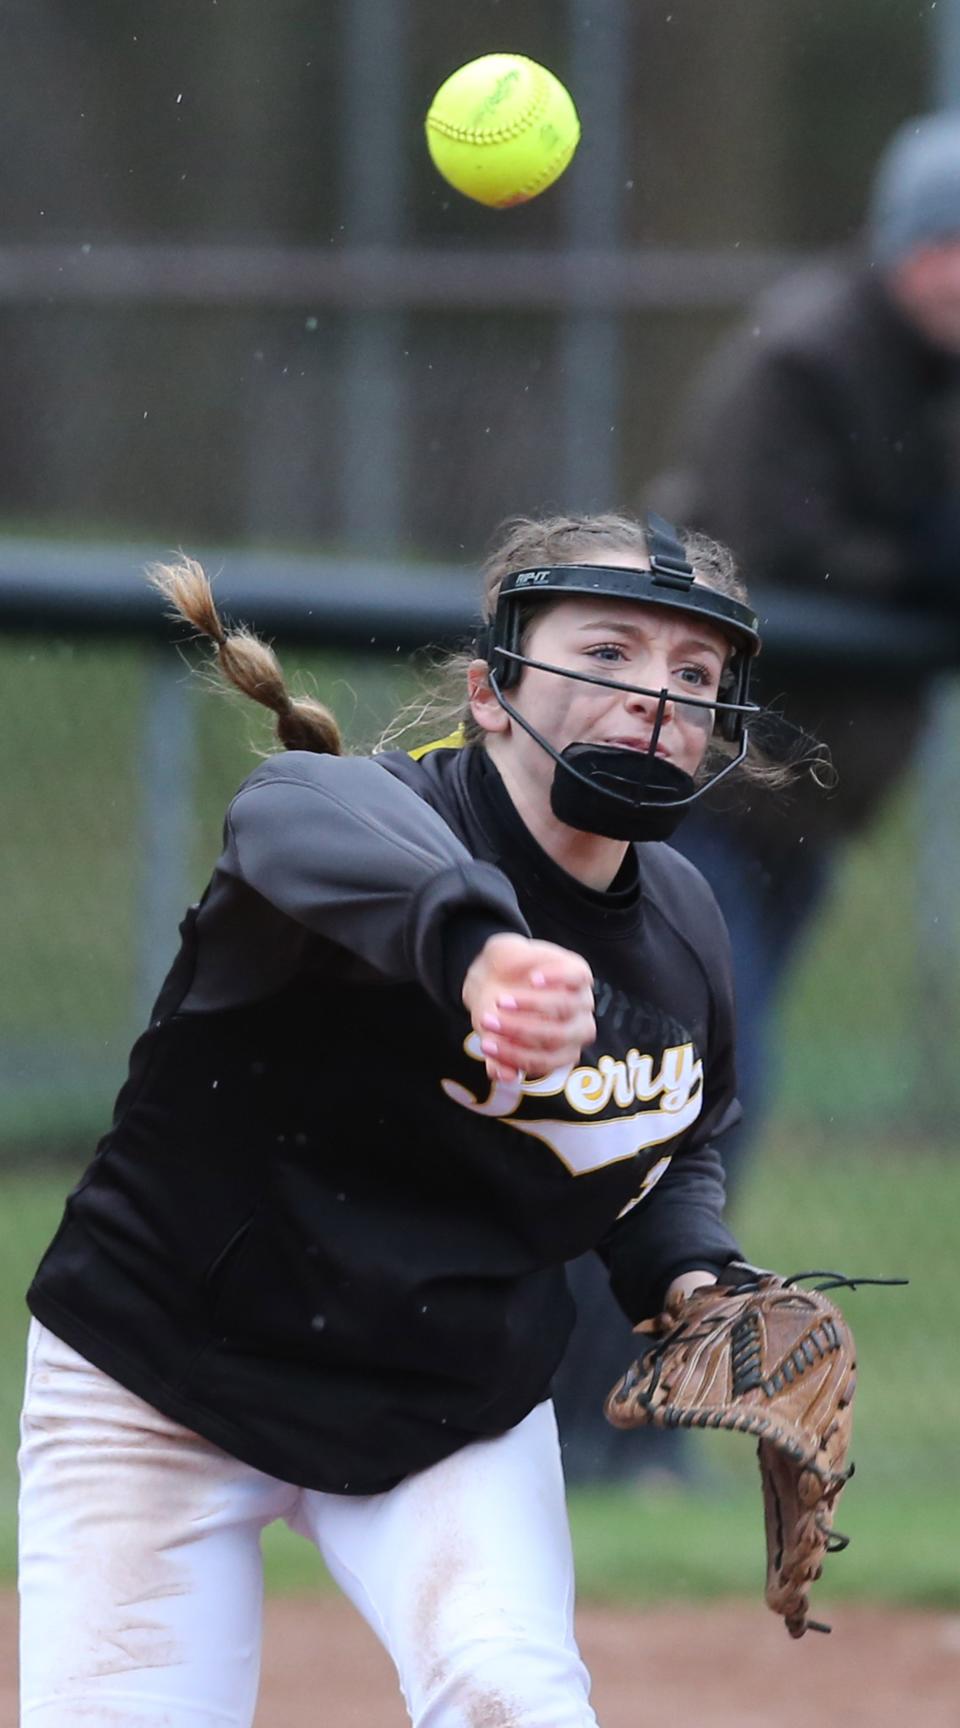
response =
{"points": [[574, 978], [553, 1004], [509, 1059], [503, 1072], [514, 1034], [550, 1025], [528, 1057]]}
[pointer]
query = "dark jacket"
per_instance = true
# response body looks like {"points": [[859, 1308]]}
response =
{"points": [[316, 1232], [822, 444]]}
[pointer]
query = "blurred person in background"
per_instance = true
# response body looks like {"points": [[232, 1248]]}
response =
{"points": [[822, 444]]}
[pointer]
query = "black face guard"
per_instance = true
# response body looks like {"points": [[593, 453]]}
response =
{"points": [[607, 789]]}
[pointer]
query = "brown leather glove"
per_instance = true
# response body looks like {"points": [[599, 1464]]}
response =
{"points": [[771, 1360]]}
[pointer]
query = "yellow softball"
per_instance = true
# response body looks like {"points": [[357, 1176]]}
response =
{"points": [[501, 129]]}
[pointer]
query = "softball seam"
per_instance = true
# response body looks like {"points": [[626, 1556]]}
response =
{"points": [[466, 134], [548, 173]]}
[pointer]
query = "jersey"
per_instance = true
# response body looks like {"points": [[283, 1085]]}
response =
{"points": [[316, 1233]]}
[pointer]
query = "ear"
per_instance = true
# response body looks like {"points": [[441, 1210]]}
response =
{"points": [[484, 707]]}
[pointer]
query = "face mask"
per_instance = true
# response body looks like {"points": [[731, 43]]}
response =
{"points": [[620, 793], [623, 794]]}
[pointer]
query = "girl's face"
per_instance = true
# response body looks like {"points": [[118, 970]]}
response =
{"points": [[633, 643]]}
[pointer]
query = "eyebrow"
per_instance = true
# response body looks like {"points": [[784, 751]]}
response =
{"points": [[627, 629]]}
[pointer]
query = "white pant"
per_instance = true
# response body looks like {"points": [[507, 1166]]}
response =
{"points": [[140, 1571]]}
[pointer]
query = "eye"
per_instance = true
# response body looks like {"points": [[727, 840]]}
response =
{"points": [[610, 652], [700, 677]]}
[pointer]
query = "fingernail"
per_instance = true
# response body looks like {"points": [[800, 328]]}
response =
{"points": [[538, 978], [489, 1046], [506, 1002], [492, 1022]]}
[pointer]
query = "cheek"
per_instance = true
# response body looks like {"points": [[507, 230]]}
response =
{"points": [[556, 705], [696, 729], [545, 702], [698, 721]]}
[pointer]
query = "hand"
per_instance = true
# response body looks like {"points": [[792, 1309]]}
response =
{"points": [[531, 1004], [686, 1283]]}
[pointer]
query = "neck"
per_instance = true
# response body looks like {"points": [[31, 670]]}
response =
{"points": [[592, 859]]}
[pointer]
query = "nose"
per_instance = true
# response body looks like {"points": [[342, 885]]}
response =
{"points": [[648, 703]]}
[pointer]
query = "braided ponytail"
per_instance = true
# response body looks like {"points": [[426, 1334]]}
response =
{"points": [[244, 661]]}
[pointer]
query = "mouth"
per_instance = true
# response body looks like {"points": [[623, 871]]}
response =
{"points": [[640, 744]]}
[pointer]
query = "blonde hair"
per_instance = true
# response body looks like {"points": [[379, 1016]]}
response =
{"points": [[242, 660]]}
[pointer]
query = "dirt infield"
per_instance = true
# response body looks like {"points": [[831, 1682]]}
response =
{"points": [[731, 1666]]}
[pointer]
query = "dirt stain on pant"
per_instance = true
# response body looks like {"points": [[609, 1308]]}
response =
{"points": [[492, 1710]]}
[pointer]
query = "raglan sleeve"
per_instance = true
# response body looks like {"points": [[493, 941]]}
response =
{"points": [[679, 1226], [349, 851]]}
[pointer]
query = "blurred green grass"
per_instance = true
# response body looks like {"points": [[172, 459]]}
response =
{"points": [[643, 1544]]}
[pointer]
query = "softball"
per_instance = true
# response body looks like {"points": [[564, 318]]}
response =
{"points": [[502, 129]]}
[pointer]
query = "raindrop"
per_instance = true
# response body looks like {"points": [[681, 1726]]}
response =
{"points": [[318, 1322]]}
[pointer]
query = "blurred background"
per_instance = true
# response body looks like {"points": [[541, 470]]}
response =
{"points": [[241, 314]]}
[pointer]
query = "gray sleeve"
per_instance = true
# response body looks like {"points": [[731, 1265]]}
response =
{"points": [[349, 852]]}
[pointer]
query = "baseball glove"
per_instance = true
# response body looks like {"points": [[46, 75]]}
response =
{"points": [[769, 1359]]}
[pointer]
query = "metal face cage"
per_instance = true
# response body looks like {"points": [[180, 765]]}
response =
{"points": [[668, 583]]}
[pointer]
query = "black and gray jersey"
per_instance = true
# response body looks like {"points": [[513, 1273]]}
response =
{"points": [[316, 1232]]}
